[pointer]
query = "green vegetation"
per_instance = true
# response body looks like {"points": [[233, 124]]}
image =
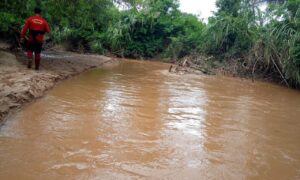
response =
{"points": [[264, 42]]}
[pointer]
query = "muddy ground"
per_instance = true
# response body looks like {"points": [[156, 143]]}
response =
{"points": [[19, 85]]}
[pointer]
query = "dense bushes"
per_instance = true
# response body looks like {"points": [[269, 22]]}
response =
{"points": [[282, 47], [268, 40], [78, 22], [158, 28]]}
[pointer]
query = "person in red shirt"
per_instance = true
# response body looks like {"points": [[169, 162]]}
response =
{"points": [[37, 27]]}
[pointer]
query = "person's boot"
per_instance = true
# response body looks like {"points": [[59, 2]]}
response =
{"points": [[37, 61], [29, 63], [29, 59]]}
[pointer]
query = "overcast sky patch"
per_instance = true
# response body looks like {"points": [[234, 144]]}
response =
{"points": [[203, 8]]}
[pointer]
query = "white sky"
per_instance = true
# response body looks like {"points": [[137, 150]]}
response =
{"points": [[203, 8]]}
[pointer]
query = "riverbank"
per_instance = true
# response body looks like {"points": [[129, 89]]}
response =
{"points": [[20, 85], [201, 64]]}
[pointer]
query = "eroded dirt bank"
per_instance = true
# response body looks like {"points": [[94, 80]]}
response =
{"points": [[19, 85]]}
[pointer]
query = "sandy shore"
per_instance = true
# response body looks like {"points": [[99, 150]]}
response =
{"points": [[19, 85]]}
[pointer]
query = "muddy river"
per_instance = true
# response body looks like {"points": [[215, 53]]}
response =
{"points": [[137, 121]]}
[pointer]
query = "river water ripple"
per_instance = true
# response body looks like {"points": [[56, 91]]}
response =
{"points": [[137, 121]]}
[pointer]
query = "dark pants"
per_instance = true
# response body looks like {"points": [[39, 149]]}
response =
{"points": [[36, 48]]}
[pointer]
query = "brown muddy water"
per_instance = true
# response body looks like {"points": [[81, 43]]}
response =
{"points": [[137, 121]]}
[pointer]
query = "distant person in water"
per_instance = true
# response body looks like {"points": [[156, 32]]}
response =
{"points": [[37, 27]]}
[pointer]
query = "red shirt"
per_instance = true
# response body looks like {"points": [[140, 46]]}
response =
{"points": [[36, 23]]}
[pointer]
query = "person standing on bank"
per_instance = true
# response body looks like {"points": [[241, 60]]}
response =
{"points": [[37, 27]]}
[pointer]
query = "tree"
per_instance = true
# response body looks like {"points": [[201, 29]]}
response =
{"points": [[228, 7]]}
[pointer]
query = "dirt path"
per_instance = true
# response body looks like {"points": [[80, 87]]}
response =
{"points": [[19, 85]]}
